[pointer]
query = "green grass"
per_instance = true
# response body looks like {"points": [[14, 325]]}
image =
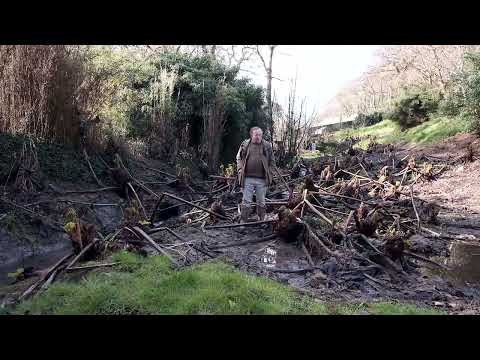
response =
{"points": [[431, 131], [323, 148], [311, 155], [382, 129], [385, 308], [150, 286]]}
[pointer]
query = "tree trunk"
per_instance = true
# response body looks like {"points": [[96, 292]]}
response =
{"points": [[269, 101], [269, 74], [269, 91]]}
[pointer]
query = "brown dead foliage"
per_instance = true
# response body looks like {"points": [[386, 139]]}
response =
{"points": [[366, 220], [121, 178], [217, 207], [309, 184], [394, 245], [288, 227]]}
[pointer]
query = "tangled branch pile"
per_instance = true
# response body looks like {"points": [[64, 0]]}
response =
{"points": [[356, 211], [360, 210]]}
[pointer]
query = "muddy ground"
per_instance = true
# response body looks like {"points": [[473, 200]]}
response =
{"points": [[457, 189]]}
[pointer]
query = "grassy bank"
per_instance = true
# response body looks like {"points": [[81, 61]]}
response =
{"points": [[436, 129], [56, 161], [150, 286]]}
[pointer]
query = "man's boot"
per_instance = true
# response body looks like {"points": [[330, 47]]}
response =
{"points": [[261, 211], [244, 212]]}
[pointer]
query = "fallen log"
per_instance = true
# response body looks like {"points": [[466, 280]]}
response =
{"points": [[222, 177], [350, 216], [360, 257], [151, 192], [327, 209], [304, 197], [159, 201], [212, 192], [93, 266], [322, 216], [373, 279], [138, 199], [298, 271], [155, 230], [290, 182], [307, 254], [415, 208], [6, 201], [418, 257], [132, 232], [85, 203], [156, 211], [84, 250], [200, 219], [69, 201], [158, 182], [320, 242], [234, 185], [104, 163], [109, 188], [324, 192], [385, 258], [32, 288], [154, 244], [91, 169], [290, 191], [246, 242], [198, 248], [130, 176], [197, 206], [239, 225], [33, 213], [158, 171], [365, 178], [276, 203], [458, 225], [369, 243]]}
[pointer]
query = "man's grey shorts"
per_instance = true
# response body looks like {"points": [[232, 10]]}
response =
{"points": [[257, 185]]}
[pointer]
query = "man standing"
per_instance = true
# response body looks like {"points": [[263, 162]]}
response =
{"points": [[255, 162]]}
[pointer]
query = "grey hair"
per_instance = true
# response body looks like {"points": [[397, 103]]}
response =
{"points": [[255, 128]]}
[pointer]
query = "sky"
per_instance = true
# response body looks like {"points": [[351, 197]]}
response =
{"points": [[322, 71]]}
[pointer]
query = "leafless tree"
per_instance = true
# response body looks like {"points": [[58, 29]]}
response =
{"points": [[402, 68], [235, 55], [267, 62], [292, 126]]}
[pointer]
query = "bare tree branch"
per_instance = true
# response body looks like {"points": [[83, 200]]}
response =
{"points": [[261, 58]]}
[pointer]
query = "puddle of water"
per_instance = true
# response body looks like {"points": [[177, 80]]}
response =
{"points": [[463, 264]]}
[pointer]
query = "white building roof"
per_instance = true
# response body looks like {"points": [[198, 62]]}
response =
{"points": [[333, 120]]}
